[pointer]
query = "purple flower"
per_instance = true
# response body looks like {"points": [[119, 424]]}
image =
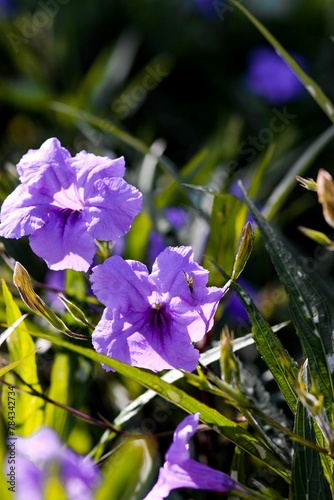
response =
{"points": [[65, 203], [43, 454], [176, 216], [152, 319], [156, 244], [180, 471], [269, 76]]}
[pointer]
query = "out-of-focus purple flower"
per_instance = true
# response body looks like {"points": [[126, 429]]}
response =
{"points": [[234, 309], [180, 471], [269, 76], [151, 320], [176, 216], [64, 203], [56, 280], [43, 453], [6, 7], [156, 244]]}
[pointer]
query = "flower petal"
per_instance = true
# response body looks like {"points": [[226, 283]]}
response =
{"points": [[63, 242], [47, 168], [22, 213], [117, 285], [111, 207], [190, 474], [180, 471], [90, 168], [130, 340]]}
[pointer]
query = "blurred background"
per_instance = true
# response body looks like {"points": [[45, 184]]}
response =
{"points": [[194, 83]]}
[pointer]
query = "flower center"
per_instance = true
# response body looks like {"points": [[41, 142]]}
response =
{"points": [[71, 198], [159, 319]]}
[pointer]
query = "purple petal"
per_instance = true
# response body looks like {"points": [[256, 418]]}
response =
{"points": [[111, 206], [132, 341], [42, 445], [190, 474], [117, 285], [178, 261], [35, 455], [179, 449], [80, 476], [180, 471], [47, 168], [29, 478], [91, 168], [22, 213], [63, 242]]}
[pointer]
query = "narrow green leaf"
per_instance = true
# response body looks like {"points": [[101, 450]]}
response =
{"points": [[287, 184], [209, 416], [279, 362], [317, 236], [13, 365], [307, 474], [60, 391], [29, 410], [126, 471], [310, 311], [311, 86], [224, 234]]}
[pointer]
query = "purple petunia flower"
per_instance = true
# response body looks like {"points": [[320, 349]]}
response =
{"points": [[152, 319], [41, 455], [64, 203], [180, 471], [270, 77]]}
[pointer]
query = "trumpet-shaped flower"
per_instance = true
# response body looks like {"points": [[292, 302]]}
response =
{"points": [[64, 203], [152, 320], [42, 456], [181, 471]]}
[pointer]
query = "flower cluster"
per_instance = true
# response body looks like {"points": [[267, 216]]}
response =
{"points": [[64, 204], [42, 456], [151, 320]]}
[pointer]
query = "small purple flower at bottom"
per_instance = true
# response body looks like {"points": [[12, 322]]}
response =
{"points": [[63, 204], [180, 471], [152, 320], [43, 454]]}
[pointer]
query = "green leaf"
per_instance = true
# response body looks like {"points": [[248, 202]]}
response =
{"points": [[126, 471], [225, 229], [13, 365], [307, 474], [317, 236], [281, 365], [209, 416], [29, 409], [60, 391], [279, 362], [310, 311], [311, 86], [287, 184]]}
